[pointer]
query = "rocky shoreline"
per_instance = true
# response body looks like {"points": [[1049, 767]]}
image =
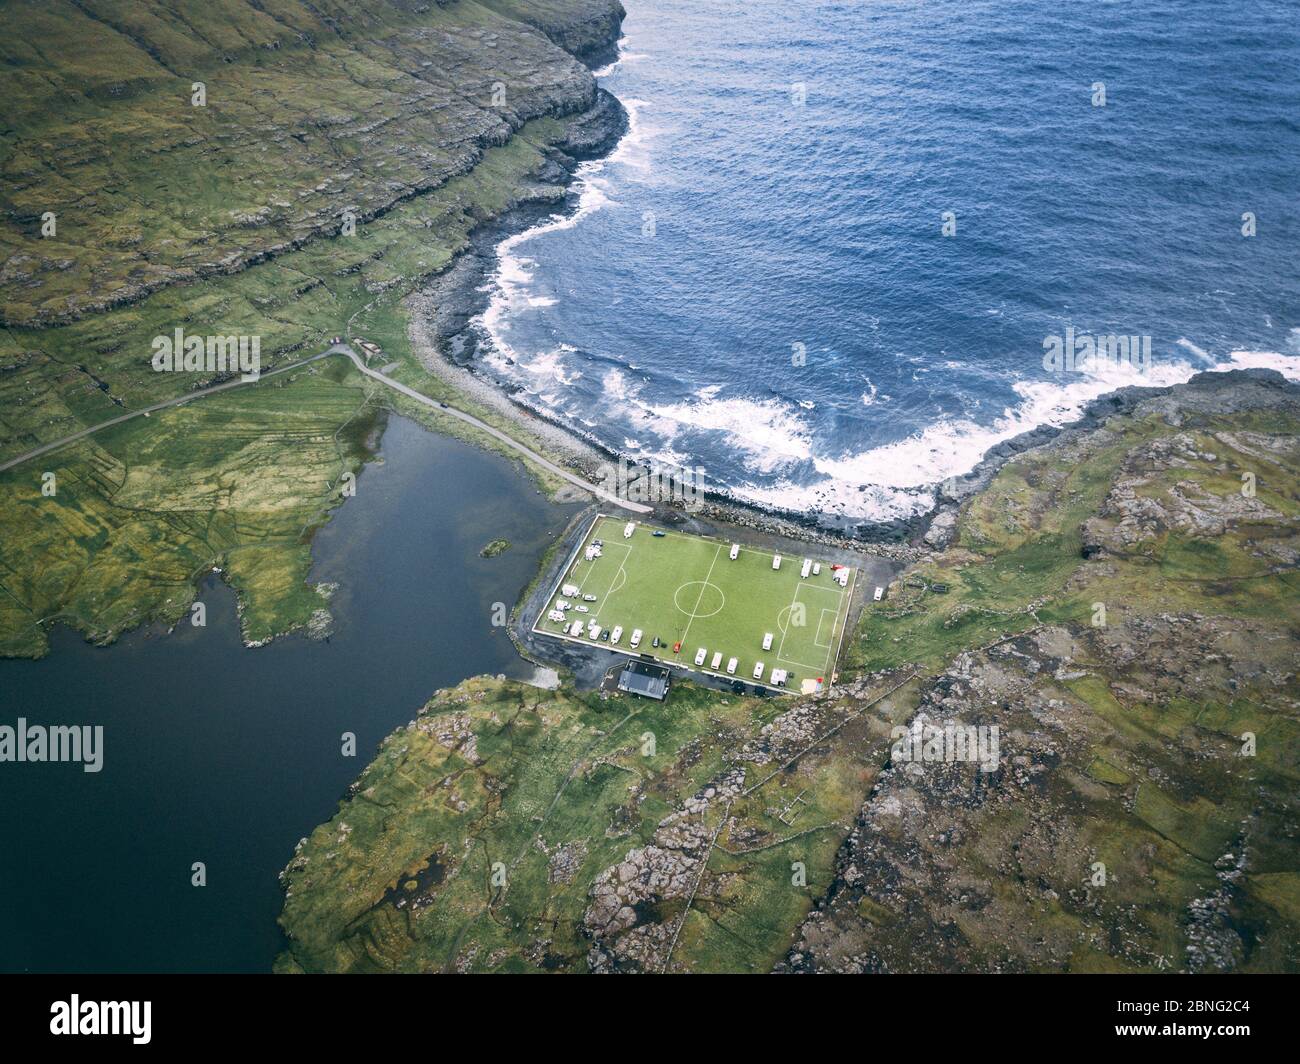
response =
{"points": [[444, 336], [1226, 391], [441, 330]]}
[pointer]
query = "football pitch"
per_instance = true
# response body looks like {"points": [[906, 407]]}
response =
{"points": [[679, 588]]}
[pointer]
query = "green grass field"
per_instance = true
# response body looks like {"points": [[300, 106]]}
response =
{"points": [[687, 589]]}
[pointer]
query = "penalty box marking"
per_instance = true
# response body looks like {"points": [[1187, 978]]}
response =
{"points": [[817, 639], [785, 630]]}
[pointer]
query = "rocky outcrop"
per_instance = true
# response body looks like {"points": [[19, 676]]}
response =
{"points": [[1140, 814], [638, 904], [1140, 507], [588, 30]]}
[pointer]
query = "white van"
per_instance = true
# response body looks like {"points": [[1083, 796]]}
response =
{"points": [[716, 663], [807, 568], [776, 561], [628, 529], [880, 593], [767, 640], [570, 589], [731, 666], [735, 551], [758, 671], [616, 634], [636, 638], [817, 568], [699, 656], [575, 628]]}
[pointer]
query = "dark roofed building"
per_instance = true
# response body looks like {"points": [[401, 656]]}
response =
{"points": [[642, 678]]}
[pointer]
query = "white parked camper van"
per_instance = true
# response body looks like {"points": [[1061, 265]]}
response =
{"points": [[776, 561], [628, 529], [767, 640], [616, 634], [636, 638], [731, 666], [735, 551], [716, 663], [807, 568], [758, 671], [699, 656], [880, 593]]}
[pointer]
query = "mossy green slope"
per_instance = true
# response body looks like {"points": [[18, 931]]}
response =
{"points": [[309, 111], [1149, 711], [1141, 816], [293, 284], [473, 840]]}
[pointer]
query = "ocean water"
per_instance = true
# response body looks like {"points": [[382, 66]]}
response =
{"points": [[761, 287]]}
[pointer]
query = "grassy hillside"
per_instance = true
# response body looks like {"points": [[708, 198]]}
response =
{"points": [[310, 111], [1123, 828], [226, 220], [1150, 711]]}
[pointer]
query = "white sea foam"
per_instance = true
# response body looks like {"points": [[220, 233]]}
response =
{"points": [[767, 432], [616, 386], [1287, 365], [1187, 345], [897, 479], [771, 436], [510, 286]]}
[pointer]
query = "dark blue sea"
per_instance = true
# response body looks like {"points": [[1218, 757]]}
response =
{"points": [[758, 281]]}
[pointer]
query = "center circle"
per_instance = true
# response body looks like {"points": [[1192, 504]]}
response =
{"points": [[698, 598]]}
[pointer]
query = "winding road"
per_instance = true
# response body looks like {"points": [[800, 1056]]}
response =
{"points": [[344, 349]]}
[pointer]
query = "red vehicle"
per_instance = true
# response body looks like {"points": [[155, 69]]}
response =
{"points": [[677, 647]]}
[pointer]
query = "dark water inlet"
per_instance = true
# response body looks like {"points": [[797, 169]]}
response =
{"points": [[225, 755]]}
